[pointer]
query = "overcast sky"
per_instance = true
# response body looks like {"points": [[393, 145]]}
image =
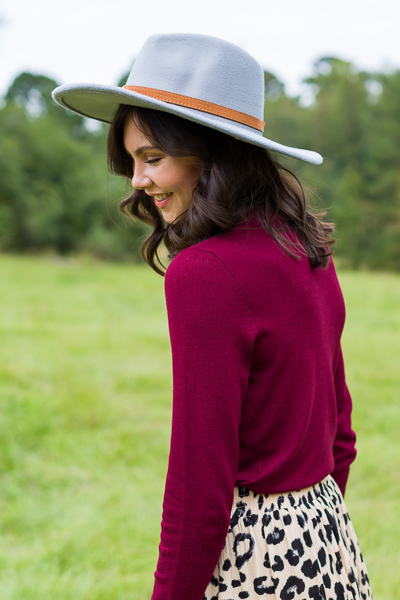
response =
{"points": [[97, 40]]}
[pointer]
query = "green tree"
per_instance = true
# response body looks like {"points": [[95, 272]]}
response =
{"points": [[358, 134], [33, 93], [54, 191]]}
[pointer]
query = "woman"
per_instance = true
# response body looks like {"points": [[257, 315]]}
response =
{"points": [[261, 432]]}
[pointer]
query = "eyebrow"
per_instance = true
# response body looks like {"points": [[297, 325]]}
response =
{"points": [[142, 149]]}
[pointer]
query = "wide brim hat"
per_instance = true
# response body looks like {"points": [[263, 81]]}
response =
{"points": [[197, 77]]}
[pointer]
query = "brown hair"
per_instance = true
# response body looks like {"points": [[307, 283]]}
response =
{"points": [[236, 179]]}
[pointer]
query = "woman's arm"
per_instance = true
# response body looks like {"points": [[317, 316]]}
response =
{"points": [[344, 451], [212, 334]]}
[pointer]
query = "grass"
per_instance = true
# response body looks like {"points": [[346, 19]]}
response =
{"points": [[372, 352], [85, 422]]}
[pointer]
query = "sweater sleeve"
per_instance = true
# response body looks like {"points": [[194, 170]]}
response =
{"points": [[344, 451], [212, 335]]}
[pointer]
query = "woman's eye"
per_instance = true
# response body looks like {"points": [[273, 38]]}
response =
{"points": [[151, 161]]}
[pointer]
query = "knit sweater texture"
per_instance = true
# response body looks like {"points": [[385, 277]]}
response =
{"points": [[259, 392]]}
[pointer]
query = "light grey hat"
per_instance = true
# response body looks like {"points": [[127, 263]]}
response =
{"points": [[197, 77]]}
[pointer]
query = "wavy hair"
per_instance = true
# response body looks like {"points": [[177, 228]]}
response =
{"points": [[236, 179]]}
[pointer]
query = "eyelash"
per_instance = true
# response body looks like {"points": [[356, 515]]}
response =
{"points": [[152, 161]]}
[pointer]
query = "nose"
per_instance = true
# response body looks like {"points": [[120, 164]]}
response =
{"points": [[140, 181]]}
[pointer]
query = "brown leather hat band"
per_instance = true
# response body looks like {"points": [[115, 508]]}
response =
{"points": [[203, 105]]}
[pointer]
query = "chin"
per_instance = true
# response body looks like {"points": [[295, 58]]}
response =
{"points": [[168, 218]]}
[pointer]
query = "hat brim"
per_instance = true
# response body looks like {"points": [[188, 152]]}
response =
{"points": [[101, 103]]}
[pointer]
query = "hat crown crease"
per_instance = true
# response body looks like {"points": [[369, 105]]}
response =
{"points": [[201, 67]]}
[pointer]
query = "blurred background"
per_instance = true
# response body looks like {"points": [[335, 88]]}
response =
{"points": [[85, 373], [332, 85]]}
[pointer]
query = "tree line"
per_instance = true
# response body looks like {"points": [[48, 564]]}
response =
{"points": [[55, 194]]}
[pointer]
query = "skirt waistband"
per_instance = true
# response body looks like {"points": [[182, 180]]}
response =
{"points": [[302, 497]]}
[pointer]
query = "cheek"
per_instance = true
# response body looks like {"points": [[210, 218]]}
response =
{"points": [[185, 181], [179, 178], [192, 177]]}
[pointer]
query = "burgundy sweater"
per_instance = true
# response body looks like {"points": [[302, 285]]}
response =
{"points": [[259, 392]]}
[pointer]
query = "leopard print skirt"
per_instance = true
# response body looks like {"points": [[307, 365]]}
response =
{"points": [[292, 546]]}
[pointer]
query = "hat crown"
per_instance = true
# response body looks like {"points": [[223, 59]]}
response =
{"points": [[202, 67]]}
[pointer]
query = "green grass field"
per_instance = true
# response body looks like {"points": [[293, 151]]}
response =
{"points": [[85, 422]]}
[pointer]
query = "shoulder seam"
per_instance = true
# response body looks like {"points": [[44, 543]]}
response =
{"points": [[236, 283]]}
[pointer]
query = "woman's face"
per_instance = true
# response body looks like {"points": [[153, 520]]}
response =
{"points": [[169, 181]]}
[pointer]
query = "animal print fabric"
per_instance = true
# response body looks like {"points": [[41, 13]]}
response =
{"points": [[292, 546]]}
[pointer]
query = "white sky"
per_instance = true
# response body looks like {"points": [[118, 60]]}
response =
{"points": [[97, 40]]}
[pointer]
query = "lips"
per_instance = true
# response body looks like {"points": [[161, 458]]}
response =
{"points": [[163, 201]]}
